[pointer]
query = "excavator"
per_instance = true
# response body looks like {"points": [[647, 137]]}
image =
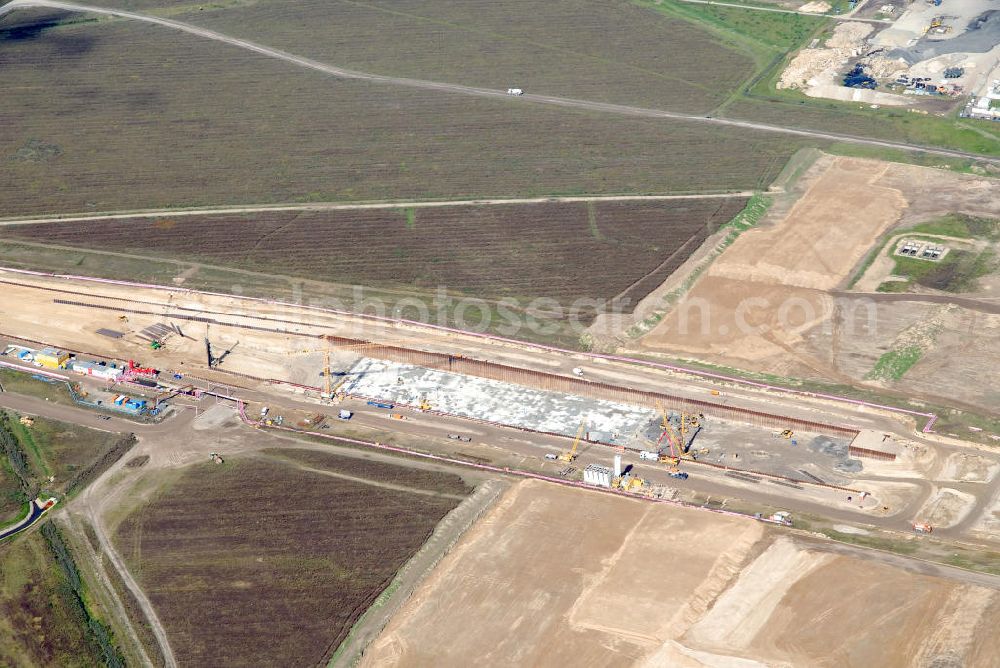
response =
{"points": [[570, 455]]}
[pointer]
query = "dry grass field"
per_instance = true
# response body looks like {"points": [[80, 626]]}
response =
{"points": [[529, 250], [114, 115], [570, 48], [62, 451], [554, 576], [276, 577], [42, 624]]}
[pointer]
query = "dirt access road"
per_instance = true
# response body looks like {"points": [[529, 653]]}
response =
{"points": [[623, 110], [358, 206]]}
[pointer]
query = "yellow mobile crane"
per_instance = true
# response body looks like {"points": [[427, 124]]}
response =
{"points": [[571, 454]]}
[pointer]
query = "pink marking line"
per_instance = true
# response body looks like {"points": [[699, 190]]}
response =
{"points": [[932, 417]]}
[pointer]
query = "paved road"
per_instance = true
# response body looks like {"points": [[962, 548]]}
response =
{"points": [[35, 512], [331, 206], [586, 105]]}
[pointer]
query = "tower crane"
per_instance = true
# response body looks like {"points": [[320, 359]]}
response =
{"points": [[327, 375]]}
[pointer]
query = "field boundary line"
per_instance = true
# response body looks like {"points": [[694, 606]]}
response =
{"points": [[500, 94], [356, 206], [928, 427]]}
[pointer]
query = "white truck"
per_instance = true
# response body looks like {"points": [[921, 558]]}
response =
{"points": [[264, 411], [515, 91]]}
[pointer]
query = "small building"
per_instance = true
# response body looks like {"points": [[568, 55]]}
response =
{"points": [[597, 475], [105, 371], [52, 358]]}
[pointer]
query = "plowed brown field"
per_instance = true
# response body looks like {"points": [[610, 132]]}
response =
{"points": [[593, 250], [275, 577]]}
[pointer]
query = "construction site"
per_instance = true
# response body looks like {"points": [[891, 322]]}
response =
{"points": [[693, 468]]}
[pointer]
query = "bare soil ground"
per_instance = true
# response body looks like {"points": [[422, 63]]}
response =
{"points": [[277, 576], [774, 300], [552, 576], [175, 120]]}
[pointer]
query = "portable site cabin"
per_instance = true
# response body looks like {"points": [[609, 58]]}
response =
{"points": [[107, 372], [52, 358]]}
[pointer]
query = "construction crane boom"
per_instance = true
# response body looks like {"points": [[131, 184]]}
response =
{"points": [[571, 455]]}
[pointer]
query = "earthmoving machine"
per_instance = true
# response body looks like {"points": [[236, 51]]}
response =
{"points": [[424, 404], [571, 454]]}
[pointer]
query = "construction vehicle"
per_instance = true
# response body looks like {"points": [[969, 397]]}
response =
{"points": [[570, 455], [424, 404], [515, 91], [630, 483], [155, 345], [344, 415], [781, 517], [380, 404], [922, 527], [396, 416], [216, 457], [135, 370], [788, 433]]}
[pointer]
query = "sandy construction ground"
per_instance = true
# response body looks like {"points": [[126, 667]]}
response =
{"points": [[553, 576], [774, 301]]}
